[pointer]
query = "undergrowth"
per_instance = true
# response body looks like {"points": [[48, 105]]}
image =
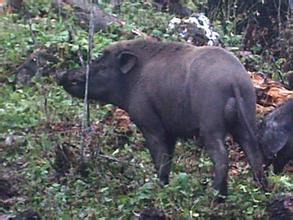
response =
{"points": [[117, 179]]}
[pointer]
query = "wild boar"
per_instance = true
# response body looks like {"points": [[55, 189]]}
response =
{"points": [[276, 136], [173, 90]]}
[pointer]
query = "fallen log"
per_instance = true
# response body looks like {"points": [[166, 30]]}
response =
{"points": [[81, 13], [269, 93], [102, 20]]}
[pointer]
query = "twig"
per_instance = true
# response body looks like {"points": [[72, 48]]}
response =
{"points": [[85, 119], [113, 159], [43, 88], [73, 36], [279, 19], [31, 30], [109, 158], [139, 33]]}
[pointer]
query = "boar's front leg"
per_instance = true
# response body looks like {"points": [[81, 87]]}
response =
{"points": [[160, 144], [161, 147]]}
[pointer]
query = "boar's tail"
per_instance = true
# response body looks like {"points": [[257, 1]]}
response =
{"points": [[241, 112]]}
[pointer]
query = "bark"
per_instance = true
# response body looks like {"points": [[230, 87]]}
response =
{"points": [[37, 63]]}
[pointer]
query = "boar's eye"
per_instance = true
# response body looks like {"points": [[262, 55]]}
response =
{"points": [[101, 57], [106, 53], [74, 82], [102, 68], [34, 59]]}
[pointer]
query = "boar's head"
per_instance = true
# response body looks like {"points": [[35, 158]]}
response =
{"points": [[272, 139], [107, 77], [276, 136]]}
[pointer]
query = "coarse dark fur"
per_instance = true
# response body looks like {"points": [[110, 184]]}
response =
{"points": [[173, 90], [276, 136]]}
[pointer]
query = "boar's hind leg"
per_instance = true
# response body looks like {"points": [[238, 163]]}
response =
{"points": [[214, 145]]}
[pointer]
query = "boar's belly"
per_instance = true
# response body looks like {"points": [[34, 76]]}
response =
{"points": [[180, 122]]}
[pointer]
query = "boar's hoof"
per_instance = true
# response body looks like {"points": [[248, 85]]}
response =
{"points": [[220, 199], [163, 183], [261, 181]]}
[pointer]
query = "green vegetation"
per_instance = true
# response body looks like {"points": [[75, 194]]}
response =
{"points": [[117, 179]]}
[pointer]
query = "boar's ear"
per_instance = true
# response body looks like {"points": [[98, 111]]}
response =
{"points": [[126, 60], [273, 139]]}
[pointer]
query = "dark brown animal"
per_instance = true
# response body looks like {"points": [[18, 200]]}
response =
{"points": [[173, 90], [276, 136]]}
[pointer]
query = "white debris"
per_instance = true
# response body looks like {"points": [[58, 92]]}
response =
{"points": [[188, 28], [173, 23]]}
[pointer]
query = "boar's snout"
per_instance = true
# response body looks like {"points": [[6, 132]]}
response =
{"points": [[60, 77], [73, 81]]}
